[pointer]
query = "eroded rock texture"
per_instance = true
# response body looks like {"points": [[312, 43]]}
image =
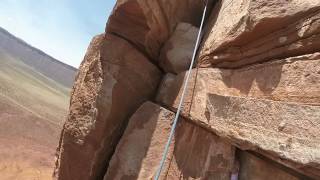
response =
{"points": [[246, 31], [289, 83], [285, 131], [176, 54], [139, 152], [294, 79], [111, 85], [195, 153], [256, 88], [148, 24]]}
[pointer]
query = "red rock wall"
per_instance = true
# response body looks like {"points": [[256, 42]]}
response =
{"points": [[270, 109]]}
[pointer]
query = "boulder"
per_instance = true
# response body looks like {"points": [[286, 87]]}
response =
{"points": [[247, 31], [149, 23], [176, 54], [194, 153], [292, 82], [110, 86]]}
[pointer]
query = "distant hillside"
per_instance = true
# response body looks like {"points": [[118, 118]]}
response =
{"points": [[37, 59], [34, 100]]}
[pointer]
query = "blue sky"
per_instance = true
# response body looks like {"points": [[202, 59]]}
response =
{"points": [[61, 28]]}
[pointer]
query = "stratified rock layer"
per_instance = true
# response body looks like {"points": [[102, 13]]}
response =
{"points": [[195, 153], [247, 31], [291, 80], [110, 86], [287, 132]]}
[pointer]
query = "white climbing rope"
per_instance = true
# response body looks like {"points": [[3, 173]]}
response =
{"points": [[174, 125]]}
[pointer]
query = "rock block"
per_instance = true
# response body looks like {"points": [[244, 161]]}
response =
{"points": [[286, 132], [176, 54], [113, 81], [194, 153], [246, 31]]}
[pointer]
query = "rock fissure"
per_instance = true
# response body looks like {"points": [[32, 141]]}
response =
{"points": [[139, 49]]}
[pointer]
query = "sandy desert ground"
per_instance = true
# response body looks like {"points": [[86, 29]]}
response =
{"points": [[32, 111]]}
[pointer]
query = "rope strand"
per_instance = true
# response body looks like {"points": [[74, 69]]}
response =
{"points": [[165, 153]]}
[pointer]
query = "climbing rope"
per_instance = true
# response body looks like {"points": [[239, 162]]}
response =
{"points": [[174, 125]]}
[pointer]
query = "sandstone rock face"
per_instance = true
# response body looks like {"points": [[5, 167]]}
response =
{"points": [[139, 152], [292, 80], [255, 168], [194, 153], [271, 109], [199, 154], [285, 131], [247, 31], [148, 24], [110, 86], [176, 54]]}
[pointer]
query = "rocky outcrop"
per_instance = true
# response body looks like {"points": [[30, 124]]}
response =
{"points": [[176, 54], [195, 153], [246, 31], [110, 86], [270, 109]]}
